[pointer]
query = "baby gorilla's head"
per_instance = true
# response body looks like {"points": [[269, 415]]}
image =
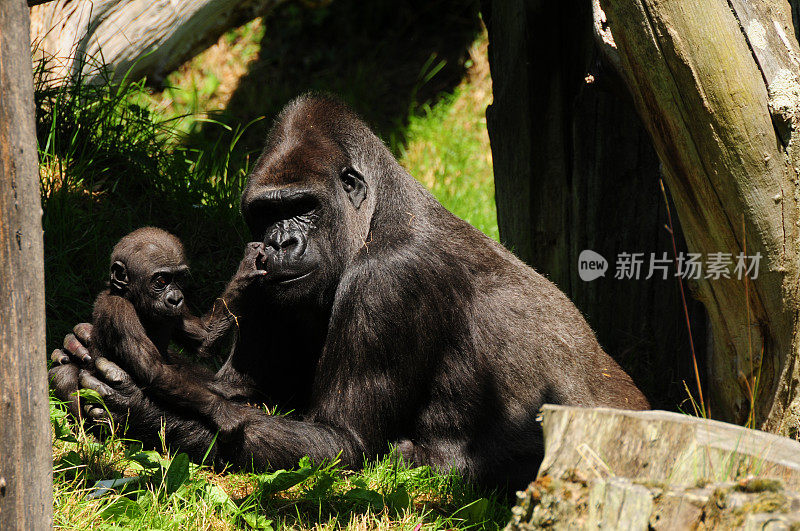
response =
{"points": [[148, 268]]}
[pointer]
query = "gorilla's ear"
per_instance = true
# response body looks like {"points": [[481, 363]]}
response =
{"points": [[119, 276], [355, 186]]}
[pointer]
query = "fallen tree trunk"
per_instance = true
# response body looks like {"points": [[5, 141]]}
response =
{"points": [[716, 85], [661, 447], [134, 37], [654, 470]]}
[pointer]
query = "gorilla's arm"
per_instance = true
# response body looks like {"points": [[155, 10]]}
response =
{"points": [[203, 335], [183, 386], [365, 391], [265, 441]]}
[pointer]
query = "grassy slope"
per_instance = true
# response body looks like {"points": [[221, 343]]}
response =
{"points": [[443, 144], [448, 146], [115, 164]]}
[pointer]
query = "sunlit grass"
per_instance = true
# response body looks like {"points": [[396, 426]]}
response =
{"points": [[166, 491]]}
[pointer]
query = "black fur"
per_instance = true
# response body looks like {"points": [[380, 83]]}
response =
{"points": [[412, 326]]}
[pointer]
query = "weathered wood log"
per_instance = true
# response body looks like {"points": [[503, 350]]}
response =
{"points": [[716, 85], [661, 447], [619, 503], [134, 37], [613, 469], [25, 441]]}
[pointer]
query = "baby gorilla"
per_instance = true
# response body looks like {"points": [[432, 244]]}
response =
{"points": [[143, 310]]}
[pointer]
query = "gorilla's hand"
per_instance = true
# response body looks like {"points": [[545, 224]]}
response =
{"points": [[73, 368], [67, 364], [248, 272], [119, 393]]}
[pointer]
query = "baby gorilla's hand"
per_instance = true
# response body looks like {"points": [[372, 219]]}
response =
{"points": [[249, 267]]}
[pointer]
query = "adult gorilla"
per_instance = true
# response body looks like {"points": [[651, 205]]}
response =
{"points": [[383, 318]]}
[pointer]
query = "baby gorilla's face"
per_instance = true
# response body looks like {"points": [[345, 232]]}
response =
{"points": [[162, 292], [148, 268]]}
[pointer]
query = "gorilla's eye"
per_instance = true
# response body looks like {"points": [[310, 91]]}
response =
{"points": [[275, 207], [160, 281]]}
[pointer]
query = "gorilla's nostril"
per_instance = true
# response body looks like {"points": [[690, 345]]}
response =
{"points": [[282, 242], [289, 242], [175, 299]]}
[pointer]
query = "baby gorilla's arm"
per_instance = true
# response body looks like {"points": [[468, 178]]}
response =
{"points": [[225, 311], [122, 338]]}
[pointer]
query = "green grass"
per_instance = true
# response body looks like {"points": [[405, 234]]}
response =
{"points": [[114, 159], [169, 492], [451, 165], [447, 147]]}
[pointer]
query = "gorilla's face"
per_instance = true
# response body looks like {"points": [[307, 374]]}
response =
{"points": [[149, 269], [303, 200]]}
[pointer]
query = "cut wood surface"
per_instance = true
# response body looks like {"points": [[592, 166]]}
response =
{"points": [[662, 447]]}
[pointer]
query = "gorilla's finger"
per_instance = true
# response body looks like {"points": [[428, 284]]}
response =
{"points": [[111, 371], [59, 357], [93, 411], [64, 380], [83, 331], [88, 381], [97, 413], [76, 348], [64, 377]]}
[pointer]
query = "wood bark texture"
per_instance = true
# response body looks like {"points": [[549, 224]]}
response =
{"points": [[132, 38], [575, 169], [716, 85], [25, 439]]}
